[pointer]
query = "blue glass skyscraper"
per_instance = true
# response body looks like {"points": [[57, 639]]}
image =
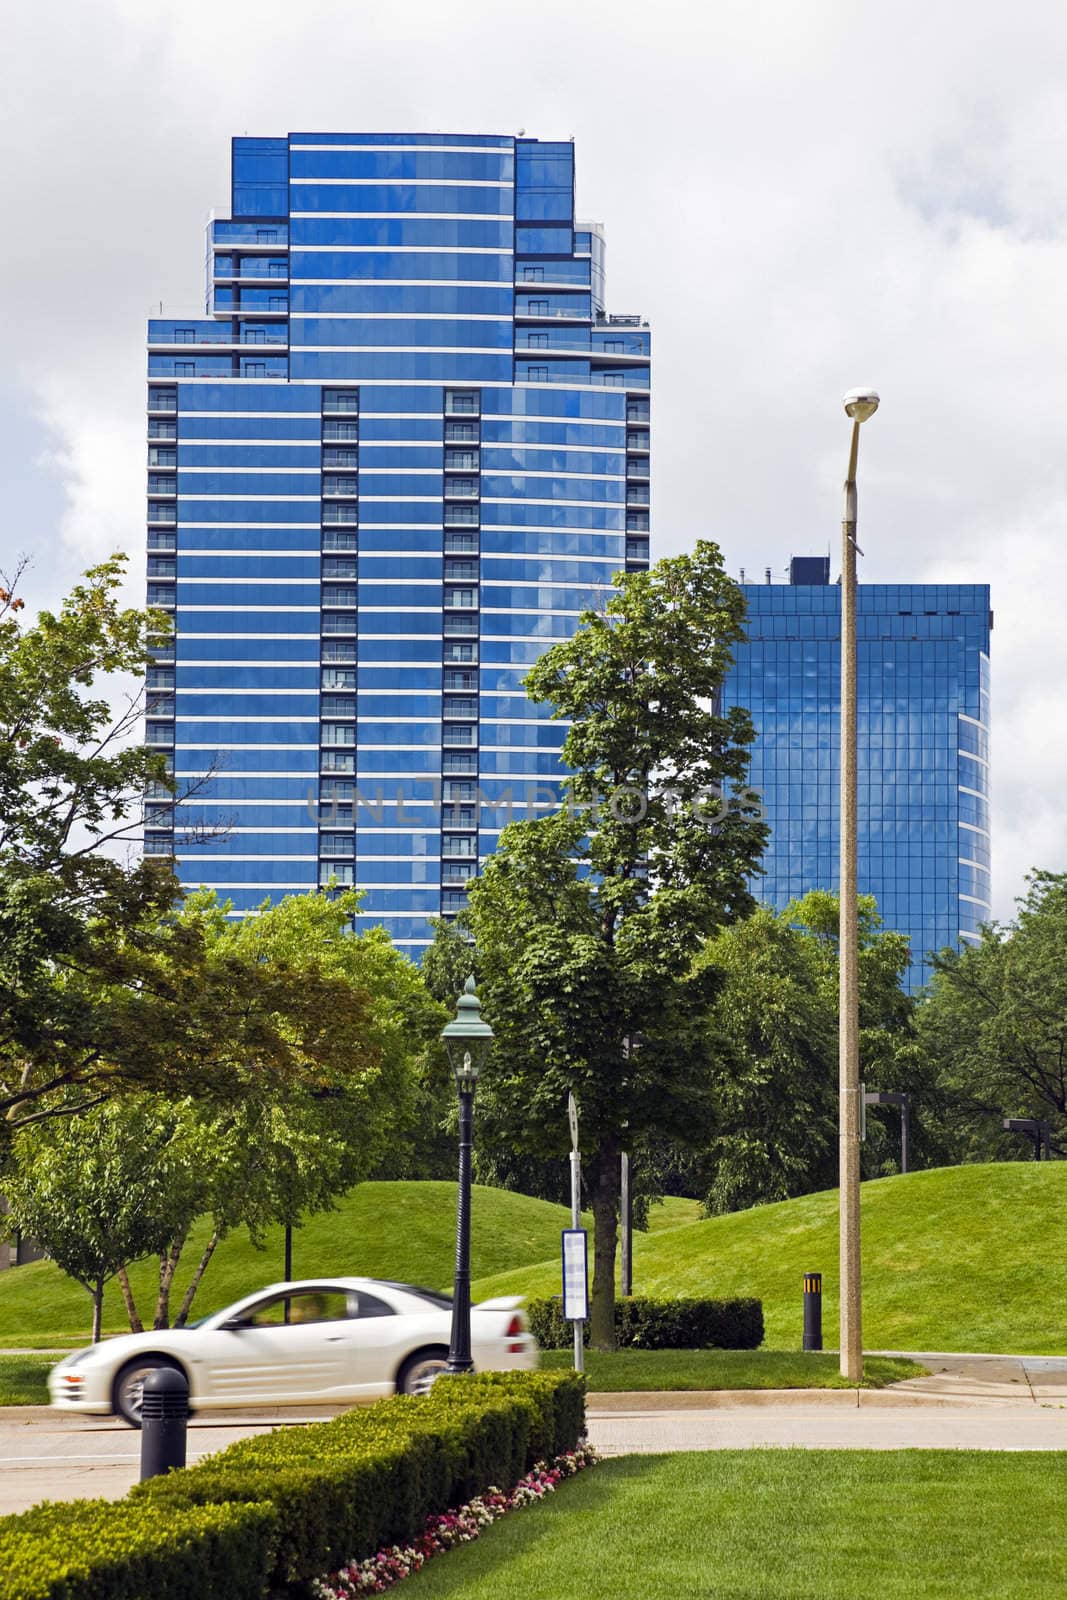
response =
{"points": [[400, 453], [923, 733]]}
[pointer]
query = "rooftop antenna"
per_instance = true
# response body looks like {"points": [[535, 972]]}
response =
{"points": [[767, 571], [742, 574]]}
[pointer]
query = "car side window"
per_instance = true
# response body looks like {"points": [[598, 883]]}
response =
{"points": [[368, 1305], [310, 1305]]}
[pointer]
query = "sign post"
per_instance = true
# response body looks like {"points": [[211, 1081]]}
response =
{"points": [[575, 1250]]}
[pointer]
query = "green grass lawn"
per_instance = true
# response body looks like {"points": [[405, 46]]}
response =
{"points": [[405, 1231], [777, 1525], [22, 1380], [725, 1369], [959, 1258]]}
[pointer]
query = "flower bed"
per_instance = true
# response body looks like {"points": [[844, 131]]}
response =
{"points": [[445, 1530]]}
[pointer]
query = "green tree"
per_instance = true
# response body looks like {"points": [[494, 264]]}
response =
{"points": [[775, 1074], [586, 922], [97, 1191], [995, 1025], [76, 924], [284, 1147]]}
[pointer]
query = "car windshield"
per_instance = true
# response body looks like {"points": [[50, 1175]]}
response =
{"points": [[443, 1302]]}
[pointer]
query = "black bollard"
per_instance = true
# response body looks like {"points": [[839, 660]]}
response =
{"points": [[164, 1415], [813, 1311]]}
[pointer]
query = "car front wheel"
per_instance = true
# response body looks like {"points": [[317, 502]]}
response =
{"points": [[128, 1388], [420, 1371]]}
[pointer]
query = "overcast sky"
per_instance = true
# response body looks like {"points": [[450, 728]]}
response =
{"points": [[800, 197]]}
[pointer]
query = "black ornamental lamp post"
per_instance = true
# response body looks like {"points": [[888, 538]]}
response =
{"points": [[467, 1040]]}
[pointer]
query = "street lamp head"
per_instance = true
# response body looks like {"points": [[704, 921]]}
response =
{"points": [[861, 404], [467, 1039]]}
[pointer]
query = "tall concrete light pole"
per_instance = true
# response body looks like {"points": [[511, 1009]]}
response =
{"points": [[859, 405]]}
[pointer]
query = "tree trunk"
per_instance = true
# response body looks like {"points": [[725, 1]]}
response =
{"points": [[136, 1325], [201, 1268], [98, 1308], [605, 1239], [168, 1266]]}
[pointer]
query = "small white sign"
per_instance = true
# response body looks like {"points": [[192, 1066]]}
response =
{"points": [[572, 1118], [575, 1275]]}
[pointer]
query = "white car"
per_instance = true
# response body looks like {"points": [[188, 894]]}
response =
{"points": [[326, 1341]]}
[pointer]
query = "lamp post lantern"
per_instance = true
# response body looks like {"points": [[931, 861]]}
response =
{"points": [[467, 1039], [859, 405]]}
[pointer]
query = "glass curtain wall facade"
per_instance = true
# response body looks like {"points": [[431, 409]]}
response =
{"points": [[401, 451], [923, 731]]}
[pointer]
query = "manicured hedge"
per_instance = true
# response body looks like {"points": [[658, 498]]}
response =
{"points": [[115, 1550], [648, 1324], [343, 1489]]}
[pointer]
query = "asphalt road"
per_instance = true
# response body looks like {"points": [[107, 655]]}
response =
{"points": [[967, 1403]]}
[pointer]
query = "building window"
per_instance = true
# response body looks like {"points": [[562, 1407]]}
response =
{"points": [[460, 678], [532, 274], [462, 488], [537, 341], [461, 543], [463, 708], [340, 400], [185, 369], [162, 400], [636, 409], [460, 623], [253, 369], [340, 514], [461, 460], [637, 522], [462, 515], [340, 871], [339, 567], [537, 308], [459, 652], [340, 539], [339, 622], [461, 599], [338, 733], [340, 597], [338, 706], [461, 433], [340, 458], [160, 456], [162, 430], [340, 649], [340, 486], [340, 430], [461, 402], [338, 761], [461, 571], [535, 375], [337, 844], [339, 678]]}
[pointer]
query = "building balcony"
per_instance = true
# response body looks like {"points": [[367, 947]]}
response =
{"points": [[615, 320]]}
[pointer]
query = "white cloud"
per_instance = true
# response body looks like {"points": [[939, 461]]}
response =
{"points": [[798, 197]]}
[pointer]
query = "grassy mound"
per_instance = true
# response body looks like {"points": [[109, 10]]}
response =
{"points": [[404, 1231], [959, 1258]]}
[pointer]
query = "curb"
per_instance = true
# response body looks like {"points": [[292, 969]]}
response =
{"points": [[645, 1403]]}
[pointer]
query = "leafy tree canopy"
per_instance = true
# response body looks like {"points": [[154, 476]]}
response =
{"points": [[995, 1025]]}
